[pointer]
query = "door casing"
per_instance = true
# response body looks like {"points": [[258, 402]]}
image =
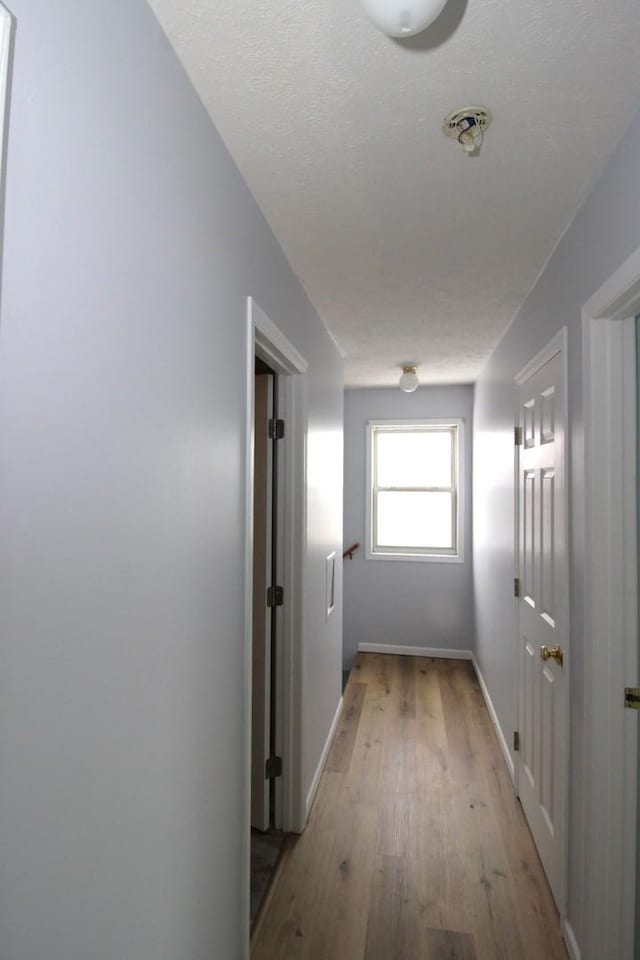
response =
{"points": [[610, 613], [264, 339]]}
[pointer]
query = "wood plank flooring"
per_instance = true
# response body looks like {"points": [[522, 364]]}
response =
{"points": [[416, 848]]}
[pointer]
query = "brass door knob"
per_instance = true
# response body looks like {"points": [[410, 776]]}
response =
{"points": [[554, 654]]}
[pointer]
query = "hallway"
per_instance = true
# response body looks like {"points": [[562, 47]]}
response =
{"points": [[416, 848]]}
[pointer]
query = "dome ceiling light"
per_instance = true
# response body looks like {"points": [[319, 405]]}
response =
{"points": [[409, 379], [467, 126], [403, 18]]}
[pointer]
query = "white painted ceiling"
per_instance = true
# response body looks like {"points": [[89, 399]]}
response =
{"points": [[410, 250]]}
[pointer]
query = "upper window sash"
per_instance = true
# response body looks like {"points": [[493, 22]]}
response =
{"points": [[451, 430]]}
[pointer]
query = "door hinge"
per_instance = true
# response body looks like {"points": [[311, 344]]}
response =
{"points": [[273, 768], [516, 586], [276, 429], [275, 596], [516, 741], [517, 436], [632, 698]]}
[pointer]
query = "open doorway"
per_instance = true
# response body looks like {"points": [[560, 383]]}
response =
{"points": [[266, 836]]}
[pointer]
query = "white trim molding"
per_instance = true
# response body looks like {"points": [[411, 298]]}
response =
{"points": [[502, 740], [557, 344], [440, 653], [272, 345], [610, 613], [571, 942], [315, 782]]}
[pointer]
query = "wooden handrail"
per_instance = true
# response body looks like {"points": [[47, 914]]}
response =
{"points": [[350, 552]]}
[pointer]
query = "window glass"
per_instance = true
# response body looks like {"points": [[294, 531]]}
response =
{"points": [[414, 520], [414, 458]]}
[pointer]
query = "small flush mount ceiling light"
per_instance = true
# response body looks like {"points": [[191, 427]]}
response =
{"points": [[467, 126], [409, 379], [403, 18]]}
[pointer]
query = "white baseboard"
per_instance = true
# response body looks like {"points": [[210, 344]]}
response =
{"points": [[570, 940], [502, 740], [440, 653], [315, 783]]}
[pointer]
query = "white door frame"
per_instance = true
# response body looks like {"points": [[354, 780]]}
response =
{"points": [[610, 612], [264, 339], [557, 344]]}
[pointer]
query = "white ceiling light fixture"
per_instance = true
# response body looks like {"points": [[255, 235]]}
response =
{"points": [[403, 18], [409, 379], [467, 126]]}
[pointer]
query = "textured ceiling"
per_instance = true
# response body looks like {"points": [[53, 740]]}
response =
{"points": [[410, 250]]}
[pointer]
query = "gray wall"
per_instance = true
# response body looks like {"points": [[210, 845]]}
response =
{"points": [[405, 603], [131, 243], [604, 233]]}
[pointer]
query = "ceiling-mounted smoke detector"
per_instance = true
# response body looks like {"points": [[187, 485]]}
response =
{"points": [[467, 126]]}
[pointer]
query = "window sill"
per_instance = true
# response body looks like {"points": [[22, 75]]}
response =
{"points": [[416, 557]]}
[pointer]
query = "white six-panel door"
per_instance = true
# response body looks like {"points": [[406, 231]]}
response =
{"points": [[543, 610]]}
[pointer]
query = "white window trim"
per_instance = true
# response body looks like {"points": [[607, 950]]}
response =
{"points": [[460, 499]]}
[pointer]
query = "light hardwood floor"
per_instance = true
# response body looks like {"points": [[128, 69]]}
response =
{"points": [[416, 848]]}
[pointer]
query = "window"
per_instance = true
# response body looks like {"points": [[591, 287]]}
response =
{"points": [[414, 490]]}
